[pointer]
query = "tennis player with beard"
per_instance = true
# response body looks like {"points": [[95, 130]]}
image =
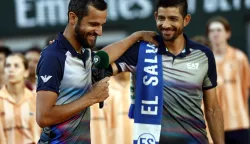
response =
{"points": [[64, 90]]}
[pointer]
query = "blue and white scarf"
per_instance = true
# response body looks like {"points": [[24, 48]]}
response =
{"points": [[147, 104]]}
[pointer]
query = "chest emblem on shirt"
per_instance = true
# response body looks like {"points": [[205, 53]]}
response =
{"points": [[45, 78], [193, 66]]}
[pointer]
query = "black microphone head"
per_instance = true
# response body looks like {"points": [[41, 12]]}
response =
{"points": [[101, 60]]}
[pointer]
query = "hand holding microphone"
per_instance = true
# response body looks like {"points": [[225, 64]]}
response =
{"points": [[101, 62], [100, 91]]}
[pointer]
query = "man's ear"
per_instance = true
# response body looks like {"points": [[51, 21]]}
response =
{"points": [[187, 20], [155, 14], [72, 18]]}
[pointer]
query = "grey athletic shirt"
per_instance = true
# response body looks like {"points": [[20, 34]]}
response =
{"points": [[185, 77]]}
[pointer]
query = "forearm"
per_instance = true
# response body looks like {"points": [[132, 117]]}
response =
{"points": [[60, 113], [248, 104], [216, 125], [35, 129], [115, 50]]}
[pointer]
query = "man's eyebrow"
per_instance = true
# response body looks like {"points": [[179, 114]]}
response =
{"points": [[96, 23]]}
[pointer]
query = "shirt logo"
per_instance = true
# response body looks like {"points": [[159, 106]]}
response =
{"points": [[146, 138], [45, 78], [96, 59], [193, 66]]}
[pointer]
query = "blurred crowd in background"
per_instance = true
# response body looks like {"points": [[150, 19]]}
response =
{"points": [[222, 25]]}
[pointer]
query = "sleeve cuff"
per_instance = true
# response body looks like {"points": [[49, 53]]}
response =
{"points": [[119, 67], [210, 87], [47, 89]]}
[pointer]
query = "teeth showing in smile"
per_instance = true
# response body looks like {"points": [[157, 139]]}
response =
{"points": [[167, 32], [92, 37]]}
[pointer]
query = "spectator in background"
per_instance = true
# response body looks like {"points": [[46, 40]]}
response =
{"points": [[4, 52], [32, 55], [233, 81], [17, 104]]}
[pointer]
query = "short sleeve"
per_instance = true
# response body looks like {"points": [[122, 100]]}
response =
{"points": [[245, 72], [210, 80], [128, 61], [49, 73]]}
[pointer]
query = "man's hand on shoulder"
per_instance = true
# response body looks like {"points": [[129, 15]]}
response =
{"points": [[51, 42], [148, 36]]}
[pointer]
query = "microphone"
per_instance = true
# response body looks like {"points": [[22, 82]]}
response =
{"points": [[101, 62]]}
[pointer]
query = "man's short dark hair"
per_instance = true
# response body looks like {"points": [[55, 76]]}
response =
{"points": [[182, 4], [80, 7], [5, 50], [34, 49]]}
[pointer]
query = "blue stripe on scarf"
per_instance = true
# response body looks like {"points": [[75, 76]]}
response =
{"points": [[147, 110]]}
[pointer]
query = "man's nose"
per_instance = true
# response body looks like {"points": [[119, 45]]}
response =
{"points": [[166, 24], [99, 31]]}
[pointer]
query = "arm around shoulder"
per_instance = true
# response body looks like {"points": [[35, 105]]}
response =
{"points": [[115, 50]]}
